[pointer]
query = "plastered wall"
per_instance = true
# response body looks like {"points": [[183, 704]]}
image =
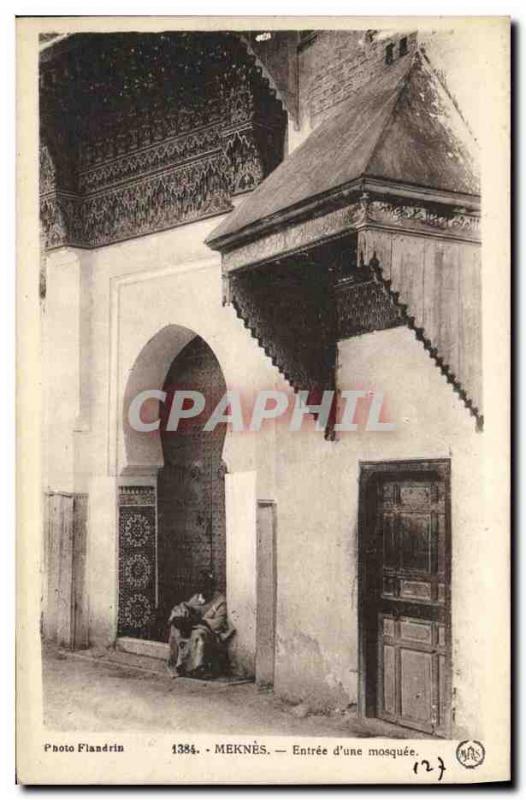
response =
{"points": [[317, 629], [140, 288], [146, 299]]}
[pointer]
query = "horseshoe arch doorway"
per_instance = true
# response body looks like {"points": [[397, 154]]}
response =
{"points": [[186, 511]]}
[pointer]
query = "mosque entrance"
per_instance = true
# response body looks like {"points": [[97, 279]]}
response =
{"points": [[187, 511], [191, 486]]}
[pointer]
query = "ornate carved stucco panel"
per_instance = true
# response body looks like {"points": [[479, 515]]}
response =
{"points": [[157, 131]]}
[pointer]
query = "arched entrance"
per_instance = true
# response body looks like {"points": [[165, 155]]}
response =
{"points": [[190, 488], [172, 493]]}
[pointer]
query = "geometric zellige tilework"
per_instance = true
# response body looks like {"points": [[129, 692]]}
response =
{"points": [[136, 564]]}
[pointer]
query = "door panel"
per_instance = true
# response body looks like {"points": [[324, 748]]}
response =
{"points": [[412, 675], [266, 593], [415, 686], [406, 594], [389, 680]]}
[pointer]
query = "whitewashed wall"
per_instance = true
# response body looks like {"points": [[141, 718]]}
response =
{"points": [[317, 655], [132, 291]]}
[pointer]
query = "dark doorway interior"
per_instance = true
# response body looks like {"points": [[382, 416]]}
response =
{"points": [[405, 601], [190, 492]]}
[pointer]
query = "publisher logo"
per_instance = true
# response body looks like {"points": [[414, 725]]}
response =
{"points": [[470, 753]]}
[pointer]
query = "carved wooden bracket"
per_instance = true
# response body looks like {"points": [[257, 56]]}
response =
{"points": [[297, 309], [287, 308], [361, 303]]}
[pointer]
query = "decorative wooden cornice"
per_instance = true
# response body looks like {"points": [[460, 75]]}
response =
{"points": [[455, 223], [348, 212]]}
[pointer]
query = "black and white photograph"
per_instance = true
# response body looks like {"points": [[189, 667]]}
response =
{"points": [[273, 354]]}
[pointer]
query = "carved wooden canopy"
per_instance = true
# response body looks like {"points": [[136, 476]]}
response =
{"points": [[402, 132], [395, 163]]}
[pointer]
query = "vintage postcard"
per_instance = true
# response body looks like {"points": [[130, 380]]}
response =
{"points": [[263, 400]]}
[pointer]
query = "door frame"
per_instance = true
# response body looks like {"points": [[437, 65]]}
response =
{"points": [[371, 471], [269, 588]]}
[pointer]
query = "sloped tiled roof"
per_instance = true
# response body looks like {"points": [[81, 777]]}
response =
{"points": [[402, 127]]}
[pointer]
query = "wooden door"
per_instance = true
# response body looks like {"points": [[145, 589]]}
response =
{"points": [[65, 617], [407, 601], [266, 593]]}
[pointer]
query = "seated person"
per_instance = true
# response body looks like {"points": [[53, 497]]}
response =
{"points": [[199, 630]]}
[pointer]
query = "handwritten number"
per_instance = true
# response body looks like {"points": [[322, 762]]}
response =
{"points": [[428, 768]]}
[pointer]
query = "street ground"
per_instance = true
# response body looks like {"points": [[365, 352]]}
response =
{"points": [[112, 691]]}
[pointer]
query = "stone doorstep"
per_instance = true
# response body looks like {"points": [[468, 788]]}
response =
{"points": [[143, 647], [149, 657]]}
